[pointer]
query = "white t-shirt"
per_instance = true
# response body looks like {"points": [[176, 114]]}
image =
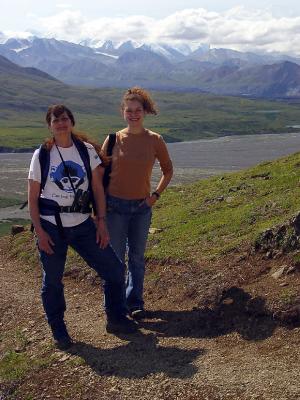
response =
{"points": [[58, 187]]}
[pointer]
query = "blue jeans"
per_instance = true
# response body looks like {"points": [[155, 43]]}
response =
{"points": [[128, 222], [82, 238]]}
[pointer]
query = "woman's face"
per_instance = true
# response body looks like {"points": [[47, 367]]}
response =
{"points": [[133, 113], [60, 125]]}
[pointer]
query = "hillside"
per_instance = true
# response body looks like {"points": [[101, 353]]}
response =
{"points": [[233, 208], [224, 302], [26, 94]]}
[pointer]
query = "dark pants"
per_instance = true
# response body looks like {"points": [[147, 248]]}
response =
{"points": [[82, 238]]}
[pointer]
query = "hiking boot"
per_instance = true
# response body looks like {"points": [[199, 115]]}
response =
{"points": [[120, 324], [138, 314], [61, 337], [63, 343]]}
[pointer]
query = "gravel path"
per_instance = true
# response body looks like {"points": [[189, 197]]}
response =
{"points": [[165, 360]]}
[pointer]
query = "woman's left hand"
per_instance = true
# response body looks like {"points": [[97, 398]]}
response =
{"points": [[102, 233], [150, 201]]}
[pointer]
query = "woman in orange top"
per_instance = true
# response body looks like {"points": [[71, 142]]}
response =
{"points": [[129, 197]]}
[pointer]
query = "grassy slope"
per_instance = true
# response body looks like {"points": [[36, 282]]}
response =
{"points": [[214, 216], [217, 215], [183, 116]]}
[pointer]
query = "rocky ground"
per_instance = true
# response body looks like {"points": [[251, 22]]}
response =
{"points": [[222, 330]]}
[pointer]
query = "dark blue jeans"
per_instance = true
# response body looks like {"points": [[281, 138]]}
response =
{"points": [[82, 238], [128, 222]]}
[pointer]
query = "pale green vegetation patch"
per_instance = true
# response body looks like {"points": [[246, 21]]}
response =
{"points": [[14, 366], [214, 216]]}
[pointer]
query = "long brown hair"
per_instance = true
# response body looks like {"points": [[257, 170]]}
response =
{"points": [[59, 109]]}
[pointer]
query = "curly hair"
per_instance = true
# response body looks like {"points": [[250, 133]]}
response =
{"points": [[142, 96]]}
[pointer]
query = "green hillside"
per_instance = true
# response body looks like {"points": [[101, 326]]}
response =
{"points": [[217, 215], [26, 93]]}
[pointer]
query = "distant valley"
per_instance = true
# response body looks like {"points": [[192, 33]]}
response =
{"points": [[159, 67], [184, 114]]}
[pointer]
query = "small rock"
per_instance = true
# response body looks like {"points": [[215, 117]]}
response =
{"points": [[65, 357], [15, 229], [269, 255], [155, 230], [280, 272]]}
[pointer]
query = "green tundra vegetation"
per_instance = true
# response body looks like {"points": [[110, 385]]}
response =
{"points": [[182, 117], [215, 216]]}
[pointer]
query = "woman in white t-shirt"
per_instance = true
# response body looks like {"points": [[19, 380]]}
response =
{"points": [[64, 174]]}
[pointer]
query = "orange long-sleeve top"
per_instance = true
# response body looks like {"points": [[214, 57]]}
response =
{"points": [[133, 158]]}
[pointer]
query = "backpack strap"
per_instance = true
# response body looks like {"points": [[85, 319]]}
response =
{"points": [[84, 155], [44, 159], [111, 142]]}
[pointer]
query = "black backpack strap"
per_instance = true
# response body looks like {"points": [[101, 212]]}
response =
{"points": [[44, 159], [111, 142], [84, 154], [51, 207]]}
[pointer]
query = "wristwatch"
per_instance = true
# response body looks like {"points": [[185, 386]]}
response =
{"points": [[155, 194]]}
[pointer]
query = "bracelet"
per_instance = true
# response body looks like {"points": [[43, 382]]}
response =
{"points": [[155, 194]]}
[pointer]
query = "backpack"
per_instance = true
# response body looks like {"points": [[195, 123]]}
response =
{"points": [[111, 142]]}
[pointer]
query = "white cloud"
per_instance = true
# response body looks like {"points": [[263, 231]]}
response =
{"points": [[15, 34], [63, 5], [237, 28], [66, 25], [137, 28]]}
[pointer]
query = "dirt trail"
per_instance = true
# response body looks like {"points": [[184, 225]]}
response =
{"points": [[175, 355]]}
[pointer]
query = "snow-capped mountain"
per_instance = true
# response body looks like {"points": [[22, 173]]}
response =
{"points": [[154, 65]]}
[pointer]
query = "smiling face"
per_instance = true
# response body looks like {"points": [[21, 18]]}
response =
{"points": [[133, 113]]}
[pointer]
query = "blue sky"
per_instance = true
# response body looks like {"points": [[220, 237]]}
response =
{"points": [[248, 25]]}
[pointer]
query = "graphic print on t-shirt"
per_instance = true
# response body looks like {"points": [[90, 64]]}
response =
{"points": [[60, 176]]}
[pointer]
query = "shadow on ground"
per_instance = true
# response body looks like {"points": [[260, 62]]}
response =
{"points": [[236, 311], [139, 358]]}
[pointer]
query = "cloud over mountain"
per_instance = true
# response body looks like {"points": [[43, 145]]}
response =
{"points": [[238, 28]]}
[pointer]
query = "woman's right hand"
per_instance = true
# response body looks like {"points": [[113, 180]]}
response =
{"points": [[45, 242]]}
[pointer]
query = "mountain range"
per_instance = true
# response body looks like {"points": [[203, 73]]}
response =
{"points": [[158, 66]]}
